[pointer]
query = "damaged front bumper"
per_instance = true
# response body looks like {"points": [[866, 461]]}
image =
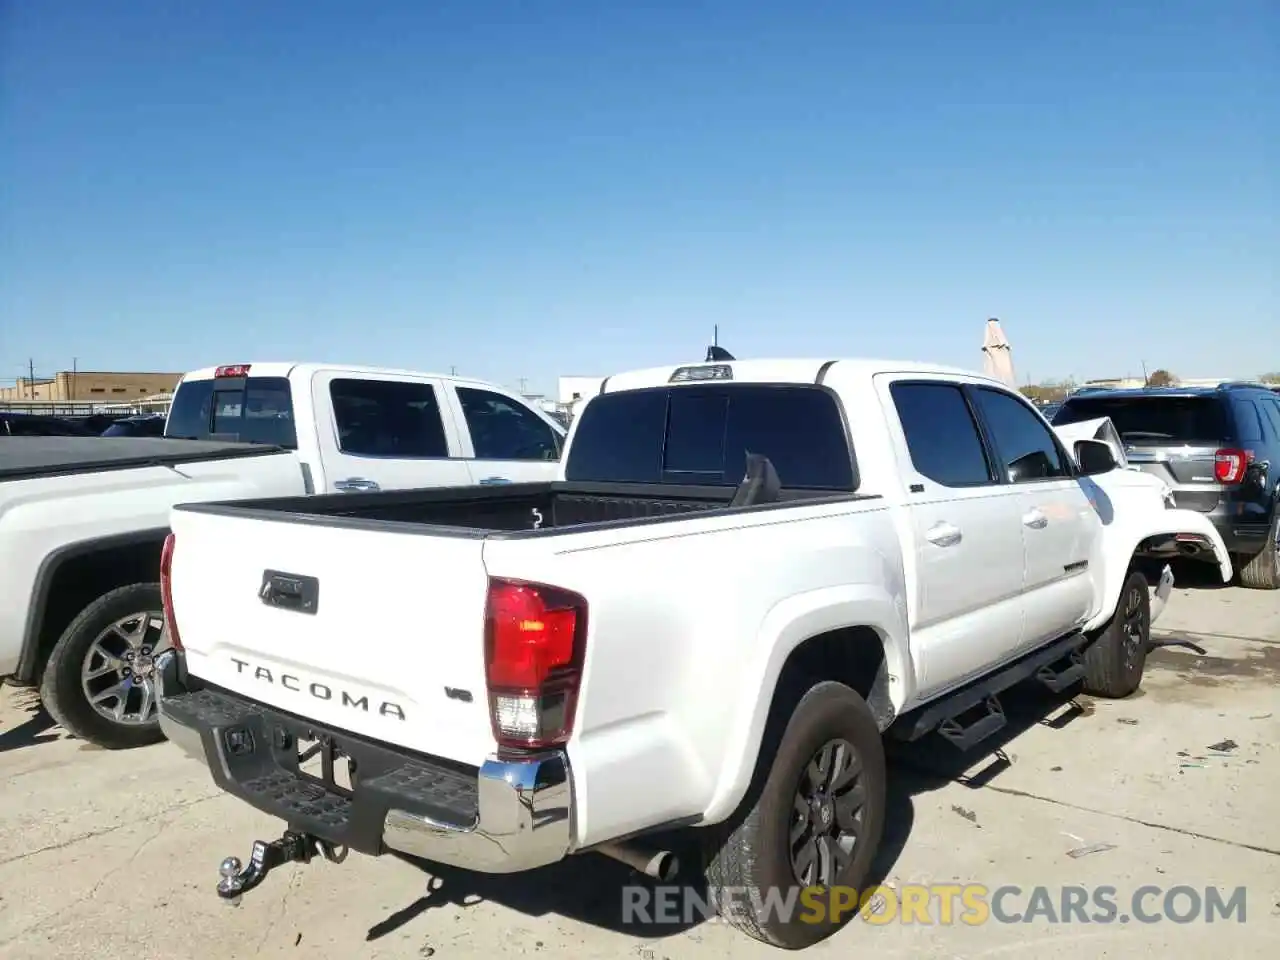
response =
{"points": [[1161, 596], [506, 816]]}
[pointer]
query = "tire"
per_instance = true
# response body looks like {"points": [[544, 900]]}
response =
{"points": [[1262, 570], [753, 853], [64, 689], [1114, 662]]}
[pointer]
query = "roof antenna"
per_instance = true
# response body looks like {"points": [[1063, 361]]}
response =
{"points": [[715, 351], [1146, 381]]}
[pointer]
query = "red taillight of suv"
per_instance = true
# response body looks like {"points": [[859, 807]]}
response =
{"points": [[535, 640], [166, 592], [1229, 465]]}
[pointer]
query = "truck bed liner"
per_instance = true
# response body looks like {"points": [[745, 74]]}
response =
{"points": [[24, 458], [525, 509]]}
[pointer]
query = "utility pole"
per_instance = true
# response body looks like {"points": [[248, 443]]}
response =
{"points": [[453, 371], [31, 377], [74, 366], [522, 385]]}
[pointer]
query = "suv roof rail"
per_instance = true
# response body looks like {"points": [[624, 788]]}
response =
{"points": [[1227, 384]]}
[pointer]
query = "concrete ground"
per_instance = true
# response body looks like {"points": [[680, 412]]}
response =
{"points": [[106, 854]]}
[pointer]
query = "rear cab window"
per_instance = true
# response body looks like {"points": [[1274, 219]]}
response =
{"points": [[700, 435], [246, 409], [1154, 420]]}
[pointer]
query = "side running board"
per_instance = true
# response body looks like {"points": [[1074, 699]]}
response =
{"points": [[973, 713]]}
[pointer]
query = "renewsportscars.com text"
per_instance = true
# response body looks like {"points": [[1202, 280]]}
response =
{"points": [[971, 904]]}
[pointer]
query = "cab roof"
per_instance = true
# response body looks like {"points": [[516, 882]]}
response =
{"points": [[274, 368], [780, 370]]}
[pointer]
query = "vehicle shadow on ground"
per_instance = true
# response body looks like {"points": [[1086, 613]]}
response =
{"points": [[37, 728], [601, 892], [598, 891]]}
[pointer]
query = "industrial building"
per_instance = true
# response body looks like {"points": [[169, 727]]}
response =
{"points": [[90, 386]]}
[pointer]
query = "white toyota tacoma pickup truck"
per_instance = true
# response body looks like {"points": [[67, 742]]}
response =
{"points": [[748, 575]]}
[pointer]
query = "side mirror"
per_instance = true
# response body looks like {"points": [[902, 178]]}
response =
{"points": [[1094, 457]]}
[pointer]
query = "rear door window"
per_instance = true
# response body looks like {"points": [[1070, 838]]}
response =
{"points": [[388, 418], [1153, 420], [247, 409], [942, 437], [701, 435]]}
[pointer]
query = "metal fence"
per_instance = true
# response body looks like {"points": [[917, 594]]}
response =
{"points": [[84, 408]]}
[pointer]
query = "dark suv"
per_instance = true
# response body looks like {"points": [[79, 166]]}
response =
{"points": [[1219, 447]]}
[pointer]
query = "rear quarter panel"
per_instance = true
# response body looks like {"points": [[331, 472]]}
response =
{"points": [[689, 624]]}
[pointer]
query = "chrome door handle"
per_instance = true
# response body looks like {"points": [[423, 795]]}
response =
{"points": [[490, 480], [355, 485], [943, 534], [1035, 520]]}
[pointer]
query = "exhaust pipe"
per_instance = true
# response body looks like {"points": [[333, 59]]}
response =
{"points": [[660, 864]]}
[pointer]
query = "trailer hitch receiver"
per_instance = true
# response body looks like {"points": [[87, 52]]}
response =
{"points": [[234, 879]]}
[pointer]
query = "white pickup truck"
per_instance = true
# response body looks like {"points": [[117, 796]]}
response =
{"points": [[82, 523], [748, 574], [82, 520], [370, 428]]}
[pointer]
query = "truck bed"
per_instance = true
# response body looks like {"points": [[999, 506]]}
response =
{"points": [[26, 458], [508, 510]]}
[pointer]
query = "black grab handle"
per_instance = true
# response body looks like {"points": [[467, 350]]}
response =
{"points": [[290, 591]]}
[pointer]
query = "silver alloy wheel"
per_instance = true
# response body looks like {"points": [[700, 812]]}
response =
{"points": [[118, 675]]}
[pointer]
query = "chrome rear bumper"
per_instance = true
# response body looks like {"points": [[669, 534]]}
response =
{"points": [[508, 816]]}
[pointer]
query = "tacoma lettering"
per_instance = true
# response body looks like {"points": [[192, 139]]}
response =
{"points": [[320, 691]]}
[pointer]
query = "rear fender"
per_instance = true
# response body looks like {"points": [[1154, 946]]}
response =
{"points": [[787, 625]]}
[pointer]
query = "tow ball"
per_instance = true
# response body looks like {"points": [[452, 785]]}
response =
{"points": [[234, 879]]}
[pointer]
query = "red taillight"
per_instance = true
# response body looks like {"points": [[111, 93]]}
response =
{"points": [[166, 592], [1229, 466], [233, 370], [534, 645]]}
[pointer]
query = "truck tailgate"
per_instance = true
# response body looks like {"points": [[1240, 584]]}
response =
{"points": [[377, 633]]}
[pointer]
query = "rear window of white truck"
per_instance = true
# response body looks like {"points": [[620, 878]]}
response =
{"points": [[247, 409], [700, 435]]}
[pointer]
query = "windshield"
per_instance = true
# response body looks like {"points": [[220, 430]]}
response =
{"points": [[248, 409], [1152, 419]]}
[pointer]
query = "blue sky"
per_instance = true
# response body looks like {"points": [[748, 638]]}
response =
{"points": [[535, 189]]}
